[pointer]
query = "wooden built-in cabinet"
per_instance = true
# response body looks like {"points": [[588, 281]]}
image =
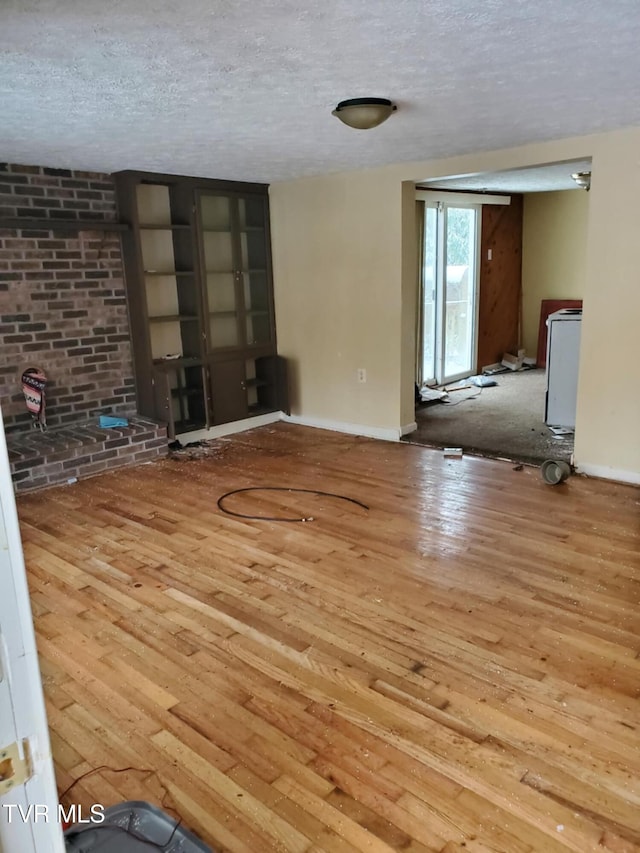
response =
{"points": [[198, 271]]}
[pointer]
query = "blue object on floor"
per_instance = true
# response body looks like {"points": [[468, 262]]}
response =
{"points": [[109, 421]]}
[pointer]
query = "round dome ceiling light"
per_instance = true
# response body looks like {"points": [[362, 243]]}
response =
{"points": [[364, 113]]}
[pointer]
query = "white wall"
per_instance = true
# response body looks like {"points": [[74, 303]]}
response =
{"points": [[345, 289]]}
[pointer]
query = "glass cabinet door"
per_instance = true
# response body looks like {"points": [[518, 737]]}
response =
{"points": [[253, 268], [236, 264], [220, 271]]}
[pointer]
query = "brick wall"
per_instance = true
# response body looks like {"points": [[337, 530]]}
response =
{"points": [[62, 298]]}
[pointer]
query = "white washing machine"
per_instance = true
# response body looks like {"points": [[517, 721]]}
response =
{"points": [[563, 359]]}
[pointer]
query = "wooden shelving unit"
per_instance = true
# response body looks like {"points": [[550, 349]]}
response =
{"points": [[198, 270]]}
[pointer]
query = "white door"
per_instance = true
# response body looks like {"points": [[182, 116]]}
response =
{"points": [[28, 811]]}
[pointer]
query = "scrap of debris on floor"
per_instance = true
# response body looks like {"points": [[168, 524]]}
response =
{"points": [[510, 363], [196, 449], [561, 433]]}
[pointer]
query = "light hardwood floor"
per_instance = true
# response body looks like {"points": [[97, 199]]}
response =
{"points": [[454, 669]]}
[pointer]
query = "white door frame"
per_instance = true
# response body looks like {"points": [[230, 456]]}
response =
{"points": [[439, 306], [441, 318], [22, 711]]}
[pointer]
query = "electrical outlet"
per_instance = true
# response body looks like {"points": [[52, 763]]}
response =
{"points": [[362, 374]]}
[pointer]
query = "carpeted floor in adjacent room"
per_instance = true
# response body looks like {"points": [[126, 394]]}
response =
{"points": [[506, 420]]}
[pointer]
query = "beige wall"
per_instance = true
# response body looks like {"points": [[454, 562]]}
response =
{"points": [[554, 242], [608, 417], [345, 289], [337, 256]]}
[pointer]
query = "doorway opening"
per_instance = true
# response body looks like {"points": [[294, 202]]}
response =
{"points": [[488, 266]]}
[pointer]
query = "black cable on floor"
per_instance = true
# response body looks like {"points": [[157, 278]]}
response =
{"points": [[281, 489]]}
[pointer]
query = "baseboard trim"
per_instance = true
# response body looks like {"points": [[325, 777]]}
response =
{"points": [[604, 472], [221, 430], [341, 426], [408, 428]]}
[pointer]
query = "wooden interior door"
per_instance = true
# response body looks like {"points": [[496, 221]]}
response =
{"points": [[500, 281]]}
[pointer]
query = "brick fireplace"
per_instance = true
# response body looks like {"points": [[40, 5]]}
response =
{"points": [[63, 309]]}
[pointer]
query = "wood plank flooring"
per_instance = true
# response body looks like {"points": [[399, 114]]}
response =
{"points": [[454, 669]]}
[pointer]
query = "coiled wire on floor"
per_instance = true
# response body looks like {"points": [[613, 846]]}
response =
{"points": [[281, 489]]}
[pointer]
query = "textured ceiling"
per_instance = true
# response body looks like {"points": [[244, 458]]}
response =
{"points": [[245, 89]]}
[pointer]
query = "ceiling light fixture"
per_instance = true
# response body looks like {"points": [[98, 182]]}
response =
{"points": [[582, 179], [364, 113]]}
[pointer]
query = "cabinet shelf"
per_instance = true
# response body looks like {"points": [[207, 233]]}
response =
{"points": [[170, 273], [258, 409], [186, 392], [187, 426], [256, 383], [170, 226], [173, 318], [251, 271], [168, 364]]}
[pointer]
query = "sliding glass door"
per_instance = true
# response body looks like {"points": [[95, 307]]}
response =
{"points": [[459, 321], [448, 291]]}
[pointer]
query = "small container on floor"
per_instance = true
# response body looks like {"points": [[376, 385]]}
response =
{"points": [[555, 471]]}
